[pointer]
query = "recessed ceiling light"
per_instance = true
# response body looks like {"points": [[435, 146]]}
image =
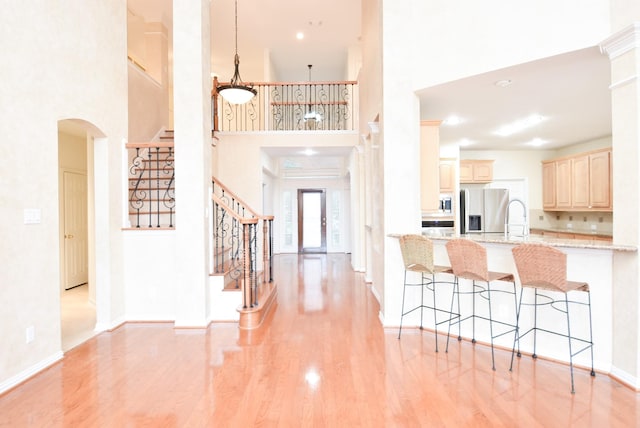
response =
{"points": [[452, 121], [299, 35], [537, 142], [503, 83], [465, 142], [308, 152], [519, 125]]}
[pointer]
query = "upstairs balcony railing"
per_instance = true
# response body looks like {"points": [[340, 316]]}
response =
{"points": [[292, 106]]}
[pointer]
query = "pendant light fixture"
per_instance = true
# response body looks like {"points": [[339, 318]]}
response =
{"points": [[311, 115], [236, 92]]}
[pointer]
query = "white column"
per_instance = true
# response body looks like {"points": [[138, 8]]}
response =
{"points": [[400, 141], [192, 119], [623, 49]]}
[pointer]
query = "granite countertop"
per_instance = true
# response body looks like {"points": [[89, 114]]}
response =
{"points": [[599, 233], [499, 238]]}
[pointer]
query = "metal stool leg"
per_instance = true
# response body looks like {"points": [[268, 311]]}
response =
{"points": [[517, 335], [422, 287], [435, 311], [454, 293], [593, 373], [535, 322], [493, 360], [404, 290], [566, 302], [473, 312]]}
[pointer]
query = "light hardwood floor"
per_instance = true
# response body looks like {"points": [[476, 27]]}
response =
{"points": [[78, 317], [321, 360]]}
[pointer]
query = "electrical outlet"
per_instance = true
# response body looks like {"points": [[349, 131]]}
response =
{"points": [[30, 334], [593, 227], [569, 225]]}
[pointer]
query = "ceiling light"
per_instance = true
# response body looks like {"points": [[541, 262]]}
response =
{"points": [[236, 92], [311, 115], [465, 142], [299, 35], [309, 152], [537, 142], [452, 121], [519, 125]]}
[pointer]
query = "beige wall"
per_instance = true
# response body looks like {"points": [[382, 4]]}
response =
{"points": [[244, 162], [57, 64]]}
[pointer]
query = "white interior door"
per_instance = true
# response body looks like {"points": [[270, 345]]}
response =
{"points": [[76, 265]]}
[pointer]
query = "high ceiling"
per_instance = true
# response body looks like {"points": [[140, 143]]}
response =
{"points": [[570, 91]]}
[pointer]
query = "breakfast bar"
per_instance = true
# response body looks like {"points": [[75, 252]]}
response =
{"points": [[589, 261]]}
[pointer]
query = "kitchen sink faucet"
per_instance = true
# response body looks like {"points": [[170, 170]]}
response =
{"points": [[525, 226]]}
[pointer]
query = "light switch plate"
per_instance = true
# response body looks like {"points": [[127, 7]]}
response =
{"points": [[32, 216]]}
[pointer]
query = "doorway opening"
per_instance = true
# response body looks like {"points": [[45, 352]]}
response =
{"points": [[77, 253], [312, 221]]}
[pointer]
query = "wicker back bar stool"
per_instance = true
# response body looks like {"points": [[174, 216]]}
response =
{"points": [[541, 267], [417, 256], [469, 261]]}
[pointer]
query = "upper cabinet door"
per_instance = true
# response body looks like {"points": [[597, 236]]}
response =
{"points": [[600, 179], [563, 182], [549, 185], [476, 171], [580, 182], [466, 172], [447, 176]]}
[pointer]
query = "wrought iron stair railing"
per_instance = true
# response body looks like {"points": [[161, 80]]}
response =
{"points": [[238, 251], [289, 106], [151, 180]]}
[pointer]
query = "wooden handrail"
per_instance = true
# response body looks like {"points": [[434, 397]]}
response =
{"points": [[311, 83], [235, 197], [232, 213], [150, 145]]}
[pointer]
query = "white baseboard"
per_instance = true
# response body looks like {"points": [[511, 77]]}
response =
{"points": [[31, 371], [625, 378]]}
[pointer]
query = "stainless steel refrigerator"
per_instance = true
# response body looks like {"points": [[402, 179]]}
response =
{"points": [[483, 210]]}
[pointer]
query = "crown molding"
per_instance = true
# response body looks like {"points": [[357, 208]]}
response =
{"points": [[622, 42]]}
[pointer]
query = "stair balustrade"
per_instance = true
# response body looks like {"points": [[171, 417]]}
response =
{"points": [[237, 249], [151, 184], [291, 106]]}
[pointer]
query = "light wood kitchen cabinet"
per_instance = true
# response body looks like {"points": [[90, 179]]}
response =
{"points": [[600, 179], [563, 184], [578, 183], [429, 165], [447, 175], [549, 185], [476, 171]]}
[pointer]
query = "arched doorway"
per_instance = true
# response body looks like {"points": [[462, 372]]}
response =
{"points": [[78, 301]]}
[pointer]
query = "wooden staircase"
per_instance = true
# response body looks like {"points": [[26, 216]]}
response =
{"points": [[232, 217], [238, 246]]}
